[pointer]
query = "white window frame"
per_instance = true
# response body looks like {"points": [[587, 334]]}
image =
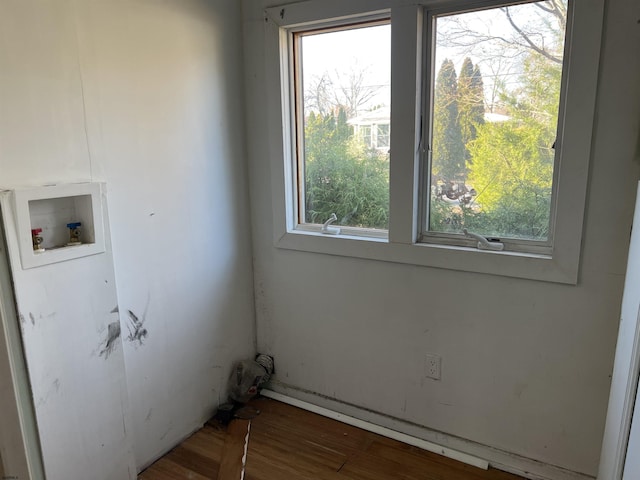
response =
{"points": [[560, 263]]}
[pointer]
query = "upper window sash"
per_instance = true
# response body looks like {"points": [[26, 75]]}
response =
{"points": [[292, 19], [427, 184], [336, 114]]}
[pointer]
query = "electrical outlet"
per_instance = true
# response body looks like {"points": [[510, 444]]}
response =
{"points": [[433, 366]]}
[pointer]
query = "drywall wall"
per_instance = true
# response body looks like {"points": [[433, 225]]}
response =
{"points": [[145, 95], [164, 115], [73, 350], [525, 365]]}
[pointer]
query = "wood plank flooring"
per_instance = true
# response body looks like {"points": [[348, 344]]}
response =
{"points": [[287, 443], [232, 462]]}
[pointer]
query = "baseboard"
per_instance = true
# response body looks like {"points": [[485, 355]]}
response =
{"points": [[496, 458], [385, 432]]}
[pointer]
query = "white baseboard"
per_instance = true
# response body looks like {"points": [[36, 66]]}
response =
{"points": [[385, 432], [448, 445]]}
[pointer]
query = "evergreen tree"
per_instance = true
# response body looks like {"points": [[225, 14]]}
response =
{"points": [[465, 104], [477, 104], [343, 130], [447, 161], [470, 103], [477, 88]]}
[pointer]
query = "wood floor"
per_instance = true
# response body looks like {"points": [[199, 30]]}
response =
{"points": [[287, 443]]}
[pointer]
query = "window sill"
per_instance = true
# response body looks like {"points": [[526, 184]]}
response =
{"points": [[507, 264]]}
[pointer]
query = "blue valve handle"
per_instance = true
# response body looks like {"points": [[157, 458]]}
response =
{"points": [[74, 225]]}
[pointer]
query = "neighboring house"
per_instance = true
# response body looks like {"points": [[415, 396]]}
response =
{"points": [[373, 127], [491, 117]]}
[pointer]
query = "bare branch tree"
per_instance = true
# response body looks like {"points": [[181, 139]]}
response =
{"points": [[541, 33], [556, 8], [528, 37], [353, 92], [318, 94], [498, 68]]}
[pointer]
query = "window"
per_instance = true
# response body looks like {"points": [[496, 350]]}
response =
{"points": [[342, 87], [365, 135], [474, 157], [495, 82]]}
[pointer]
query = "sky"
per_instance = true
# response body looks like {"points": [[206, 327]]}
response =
{"points": [[369, 49], [363, 49]]}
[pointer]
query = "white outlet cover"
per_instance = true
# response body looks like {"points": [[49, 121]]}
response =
{"points": [[433, 366]]}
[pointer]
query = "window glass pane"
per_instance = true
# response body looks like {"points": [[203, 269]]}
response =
{"points": [[495, 115], [382, 139], [365, 135], [343, 90]]}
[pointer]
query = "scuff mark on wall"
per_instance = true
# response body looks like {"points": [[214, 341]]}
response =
{"points": [[137, 332], [110, 344], [167, 431], [33, 318], [54, 388], [115, 309], [518, 389]]}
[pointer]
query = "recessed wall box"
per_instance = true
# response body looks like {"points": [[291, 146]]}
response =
{"points": [[51, 209]]}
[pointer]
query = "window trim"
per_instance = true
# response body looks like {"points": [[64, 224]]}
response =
{"points": [[543, 247], [583, 51], [296, 96]]}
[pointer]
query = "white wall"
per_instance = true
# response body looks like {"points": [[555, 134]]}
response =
{"points": [[526, 365], [145, 95]]}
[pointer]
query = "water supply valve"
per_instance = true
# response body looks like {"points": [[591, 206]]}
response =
{"points": [[37, 240], [74, 233]]}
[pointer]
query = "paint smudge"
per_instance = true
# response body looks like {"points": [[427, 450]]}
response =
{"points": [[110, 344], [168, 430], [33, 318], [54, 388], [137, 332], [21, 317]]}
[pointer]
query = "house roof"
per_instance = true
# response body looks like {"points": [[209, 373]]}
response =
{"points": [[381, 116], [373, 117]]}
